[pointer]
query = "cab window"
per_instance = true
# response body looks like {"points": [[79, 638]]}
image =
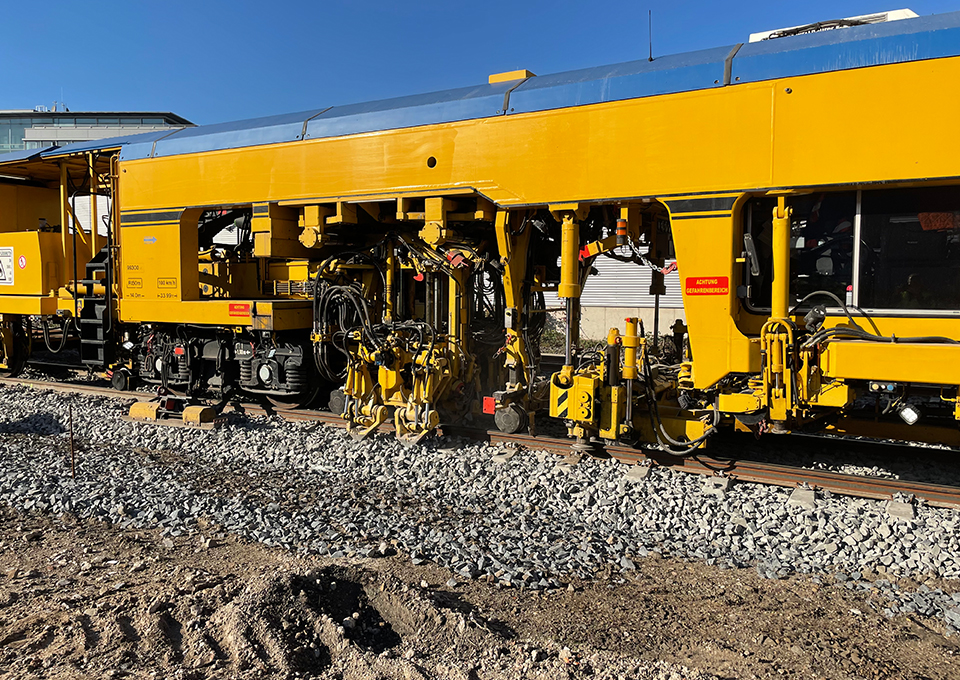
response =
{"points": [[910, 249], [821, 245]]}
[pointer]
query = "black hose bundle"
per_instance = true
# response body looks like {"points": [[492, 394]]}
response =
{"points": [[64, 334], [340, 310], [665, 442], [488, 308], [824, 335]]}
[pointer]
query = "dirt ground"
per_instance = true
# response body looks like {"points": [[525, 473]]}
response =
{"points": [[90, 600]]}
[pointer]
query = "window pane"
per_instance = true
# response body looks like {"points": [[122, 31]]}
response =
{"points": [[821, 246], [11, 135], [108, 121], [910, 249], [153, 121]]}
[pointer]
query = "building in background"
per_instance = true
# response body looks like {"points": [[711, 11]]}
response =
{"points": [[23, 129], [620, 290], [37, 129]]}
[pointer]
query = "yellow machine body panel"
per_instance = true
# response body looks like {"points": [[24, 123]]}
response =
{"points": [[735, 138], [259, 314], [28, 263], [23, 207], [710, 301], [931, 363], [155, 261], [32, 271], [694, 144]]}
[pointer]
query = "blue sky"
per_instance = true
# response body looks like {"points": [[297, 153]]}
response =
{"points": [[213, 60]]}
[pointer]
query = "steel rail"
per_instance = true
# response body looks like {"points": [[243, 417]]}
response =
{"points": [[861, 486], [775, 474]]}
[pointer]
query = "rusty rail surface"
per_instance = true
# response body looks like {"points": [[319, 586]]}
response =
{"points": [[861, 486]]}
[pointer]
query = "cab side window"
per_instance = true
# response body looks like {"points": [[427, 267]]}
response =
{"points": [[910, 249], [821, 245]]}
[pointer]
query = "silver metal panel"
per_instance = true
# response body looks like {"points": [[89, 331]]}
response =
{"points": [[624, 284]]}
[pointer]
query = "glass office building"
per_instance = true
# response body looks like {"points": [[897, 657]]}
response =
{"points": [[30, 129]]}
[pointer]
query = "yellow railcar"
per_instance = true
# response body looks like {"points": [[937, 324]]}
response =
{"points": [[394, 254]]}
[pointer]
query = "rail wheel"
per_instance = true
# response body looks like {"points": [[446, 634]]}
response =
{"points": [[14, 345], [122, 380], [295, 401], [511, 419]]}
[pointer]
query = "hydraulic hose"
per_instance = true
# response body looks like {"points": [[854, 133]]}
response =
{"points": [[64, 331], [664, 440], [857, 332]]}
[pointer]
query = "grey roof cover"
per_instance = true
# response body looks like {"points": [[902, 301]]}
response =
{"points": [[24, 154]]}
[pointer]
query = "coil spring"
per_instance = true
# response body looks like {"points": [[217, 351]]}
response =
{"points": [[183, 369], [147, 369], [246, 372], [296, 377]]}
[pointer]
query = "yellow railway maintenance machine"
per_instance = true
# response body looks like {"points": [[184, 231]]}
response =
{"points": [[394, 255]]}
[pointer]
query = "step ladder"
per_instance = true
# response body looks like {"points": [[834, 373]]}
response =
{"points": [[96, 316]]}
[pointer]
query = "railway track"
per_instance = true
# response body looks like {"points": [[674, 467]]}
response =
{"points": [[862, 486]]}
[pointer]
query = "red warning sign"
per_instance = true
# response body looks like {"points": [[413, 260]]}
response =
{"points": [[240, 309], [707, 285]]}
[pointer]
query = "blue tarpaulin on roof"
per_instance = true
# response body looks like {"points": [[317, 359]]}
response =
{"points": [[893, 42], [664, 75]]}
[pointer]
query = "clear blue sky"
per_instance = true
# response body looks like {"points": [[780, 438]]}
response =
{"points": [[217, 60]]}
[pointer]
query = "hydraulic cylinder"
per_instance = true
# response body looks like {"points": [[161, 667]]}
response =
{"points": [[780, 305], [569, 288]]}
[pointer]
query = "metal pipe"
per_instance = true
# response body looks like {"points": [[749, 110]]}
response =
{"points": [[463, 283], [73, 455], [656, 322], [428, 312], [621, 232], [453, 306], [613, 357], [94, 230], [631, 343], [438, 307], [64, 202]]}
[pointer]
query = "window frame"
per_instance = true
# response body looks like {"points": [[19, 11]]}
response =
{"points": [[884, 312]]}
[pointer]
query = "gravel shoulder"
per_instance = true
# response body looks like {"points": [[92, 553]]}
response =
{"points": [[269, 549], [88, 599]]}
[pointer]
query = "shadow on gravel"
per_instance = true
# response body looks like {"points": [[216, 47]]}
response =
{"points": [[35, 423]]}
